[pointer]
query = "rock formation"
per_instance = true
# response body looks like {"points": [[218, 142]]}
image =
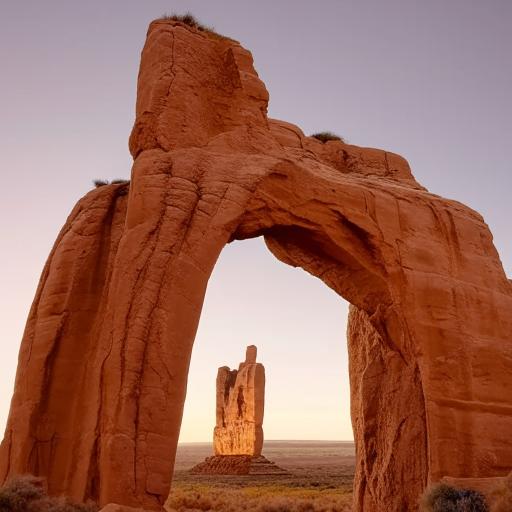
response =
{"points": [[238, 433], [103, 363], [238, 465], [240, 406]]}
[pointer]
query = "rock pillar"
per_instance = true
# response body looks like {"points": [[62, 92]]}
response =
{"points": [[240, 406]]}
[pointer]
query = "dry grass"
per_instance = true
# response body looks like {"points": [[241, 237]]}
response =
{"points": [[118, 181], [190, 20], [196, 497], [320, 480], [445, 498], [27, 494]]}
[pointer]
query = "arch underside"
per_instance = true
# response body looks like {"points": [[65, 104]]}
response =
{"points": [[387, 402]]}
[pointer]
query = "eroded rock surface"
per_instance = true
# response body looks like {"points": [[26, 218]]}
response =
{"points": [[240, 408], [237, 465], [238, 433], [103, 364], [114, 507]]}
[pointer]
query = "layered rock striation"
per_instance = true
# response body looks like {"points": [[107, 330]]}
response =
{"points": [[103, 364], [238, 465]]}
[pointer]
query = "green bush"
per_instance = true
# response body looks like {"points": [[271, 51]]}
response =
{"points": [[100, 183], [443, 498], [326, 136]]}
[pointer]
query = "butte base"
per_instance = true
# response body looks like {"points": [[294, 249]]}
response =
{"points": [[237, 465]]}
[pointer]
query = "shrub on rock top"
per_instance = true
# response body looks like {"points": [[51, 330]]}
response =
{"points": [[326, 136], [190, 20]]}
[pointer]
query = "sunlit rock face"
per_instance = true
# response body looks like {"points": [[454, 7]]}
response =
{"points": [[238, 433], [240, 407], [103, 365]]}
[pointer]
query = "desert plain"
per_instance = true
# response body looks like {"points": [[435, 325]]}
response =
{"points": [[319, 479]]}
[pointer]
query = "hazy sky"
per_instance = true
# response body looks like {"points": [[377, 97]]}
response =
{"points": [[431, 80]]}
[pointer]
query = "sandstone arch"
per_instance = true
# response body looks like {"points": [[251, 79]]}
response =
{"points": [[103, 364]]}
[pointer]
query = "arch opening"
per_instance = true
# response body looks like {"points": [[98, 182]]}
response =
{"points": [[299, 326], [387, 403], [291, 317]]}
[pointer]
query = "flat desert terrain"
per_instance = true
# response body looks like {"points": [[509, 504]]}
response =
{"points": [[319, 479]]}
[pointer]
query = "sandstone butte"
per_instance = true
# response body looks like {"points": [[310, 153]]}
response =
{"points": [[240, 398], [103, 363], [238, 433]]}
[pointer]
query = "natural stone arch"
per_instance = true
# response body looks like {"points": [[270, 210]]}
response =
{"points": [[103, 365]]}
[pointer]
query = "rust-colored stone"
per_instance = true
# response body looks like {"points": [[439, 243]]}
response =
{"points": [[103, 364], [237, 465], [114, 507], [238, 433], [240, 407]]}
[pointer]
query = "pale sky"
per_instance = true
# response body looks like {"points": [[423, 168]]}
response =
{"points": [[429, 80]]}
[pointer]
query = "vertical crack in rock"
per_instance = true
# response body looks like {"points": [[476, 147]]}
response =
{"points": [[240, 402]]}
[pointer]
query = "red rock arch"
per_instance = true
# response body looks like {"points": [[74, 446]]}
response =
{"points": [[103, 364]]}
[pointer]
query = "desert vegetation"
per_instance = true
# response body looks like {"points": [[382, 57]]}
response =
{"points": [[320, 479], [444, 498], [102, 183], [27, 494], [195, 497], [327, 136], [190, 20]]}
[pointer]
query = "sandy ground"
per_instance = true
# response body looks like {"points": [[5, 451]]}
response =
{"points": [[320, 477], [320, 462]]}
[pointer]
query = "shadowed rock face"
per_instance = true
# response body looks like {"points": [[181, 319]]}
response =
{"points": [[103, 364], [240, 407]]}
